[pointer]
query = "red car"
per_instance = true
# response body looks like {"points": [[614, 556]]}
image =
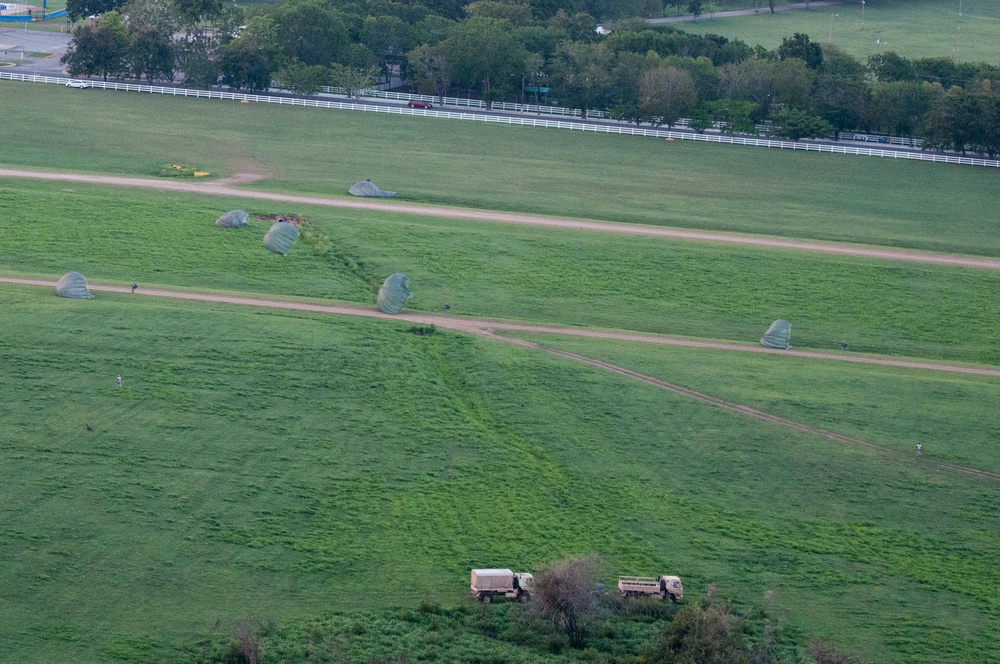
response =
{"points": [[419, 104]]}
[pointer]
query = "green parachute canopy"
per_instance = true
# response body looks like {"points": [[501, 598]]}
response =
{"points": [[281, 237], [368, 188], [777, 335], [73, 285], [233, 219], [394, 293]]}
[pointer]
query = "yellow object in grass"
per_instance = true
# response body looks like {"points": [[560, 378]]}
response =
{"points": [[201, 174]]}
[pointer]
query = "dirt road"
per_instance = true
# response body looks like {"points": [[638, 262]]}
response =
{"points": [[223, 188], [495, 328]]}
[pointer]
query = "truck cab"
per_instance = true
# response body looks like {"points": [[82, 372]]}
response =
{"points": [[671, 586]]}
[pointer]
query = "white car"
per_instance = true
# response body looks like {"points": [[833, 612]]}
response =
{"points": [[78, 84]]}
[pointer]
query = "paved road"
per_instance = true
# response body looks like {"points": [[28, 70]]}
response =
{"points": [[382, 205], [739, 12], [14, 43]]}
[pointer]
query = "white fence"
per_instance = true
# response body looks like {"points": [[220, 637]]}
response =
{"points": [[532, 122]]}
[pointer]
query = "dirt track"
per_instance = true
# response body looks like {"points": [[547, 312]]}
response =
{"points": [[496, 328], [223, 188], [492, 329]]}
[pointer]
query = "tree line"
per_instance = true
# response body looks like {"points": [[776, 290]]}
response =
{"points": [[544, 51]]}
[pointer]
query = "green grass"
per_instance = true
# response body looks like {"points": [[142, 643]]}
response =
{"points": [[912, 28], [451, 162], [889, 406], [226, 480], [481, 269]]}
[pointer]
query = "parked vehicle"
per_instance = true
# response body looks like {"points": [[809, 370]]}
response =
{"points": [[78, 84], [419, 104], [488, 583], [645, 586]]}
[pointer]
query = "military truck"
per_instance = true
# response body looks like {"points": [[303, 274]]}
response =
{"points": [[647, 586], [488, 583]]}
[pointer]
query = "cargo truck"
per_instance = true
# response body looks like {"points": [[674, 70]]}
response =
{"points": [[646, 586], [488, 583]]}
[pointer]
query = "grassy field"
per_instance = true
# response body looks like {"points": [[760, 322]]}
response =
{"points": [[329, 474], [224, 481], [888, 406], [450, 162], [912, 28], [552, 276]]}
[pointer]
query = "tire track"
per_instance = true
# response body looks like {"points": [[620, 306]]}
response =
{"points": [[219, 188]]}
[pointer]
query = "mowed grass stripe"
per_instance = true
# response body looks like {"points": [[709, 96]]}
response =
{"points": [[524, 170]]}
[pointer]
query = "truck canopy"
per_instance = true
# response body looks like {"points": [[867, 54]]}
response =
{"points": [[492, 579]]}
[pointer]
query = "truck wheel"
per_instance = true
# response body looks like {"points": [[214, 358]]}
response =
{"points": [[523, 597], [486, 598], [673, 598]]}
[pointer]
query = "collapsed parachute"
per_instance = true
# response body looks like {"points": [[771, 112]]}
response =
{"points": [[281, 237], [73, 285], [777, 335], [394, 293]]}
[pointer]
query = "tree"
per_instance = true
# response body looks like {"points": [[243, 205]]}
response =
{"points": [[100, 50], [899, 107], [702, 635], [566, 594], [81, 9], [840, 91], [429, 67], [303, 79], [485, 52], [194, 59], [695, 7], [249, 61], [735, 116], [191, 13], [582, 75], [794, 123], [667, 94], [799, 46], [388, 38], [352, 78], [150, 53], [309, 31]]}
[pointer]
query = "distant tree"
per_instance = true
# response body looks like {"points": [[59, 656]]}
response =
{"points": [[196, 61], [566, 594], [101, 50], [309, 31], [249, 61], [485, 53], [81, 9], [352, 78], [840, 90], [388, 38], [736, 116], [695, 7], [192, 13], [582, 75], [518, 13], [303, 79], [799, 46], [899, 107], [429, 68], [891, 67], [150, 53], [667, 93], [794, 123]]}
